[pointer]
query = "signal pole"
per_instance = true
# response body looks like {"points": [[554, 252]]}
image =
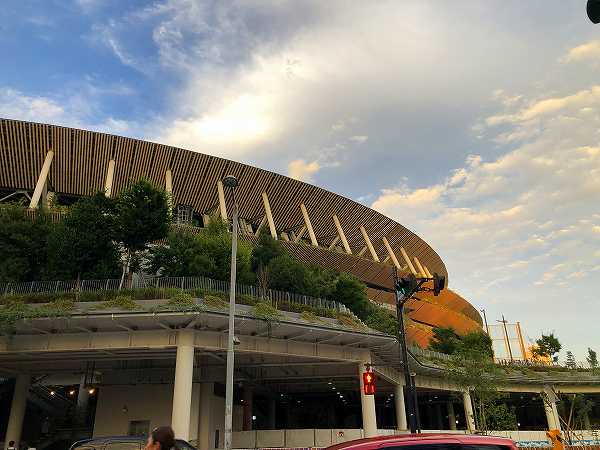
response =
{"points": [[405, 288], [408, 381]]}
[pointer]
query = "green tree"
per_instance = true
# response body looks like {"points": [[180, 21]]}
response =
{"points": [[82, 244], [350, 291], [473, 370], [23, 244], [547, 346], [478, 342], [207, 254], [288, 274], [592, 359], [263, 253], [499, 416], [444, 340], [143, 216]]}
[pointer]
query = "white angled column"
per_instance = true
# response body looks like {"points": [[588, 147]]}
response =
{"points": [[552, 416], [401, 422], [420, 267], [222, 205], [309, 227], [367, 402], [341, 234], [182, 390], [269, 215], [407, 260], [391, 253], [110, 174], [369, 244], [469, 416], [41, 182], [17, 410]]}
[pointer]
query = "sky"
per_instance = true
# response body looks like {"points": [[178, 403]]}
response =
{"points": [[475, 124]]}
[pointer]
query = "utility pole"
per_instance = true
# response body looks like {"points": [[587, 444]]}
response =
{"points": [[487, 329], [504, 322]]}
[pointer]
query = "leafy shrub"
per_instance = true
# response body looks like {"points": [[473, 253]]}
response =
{"points": [[309, 316], [182, 302], [349, 321], [214, 302], [267, 312], [124, 302]]}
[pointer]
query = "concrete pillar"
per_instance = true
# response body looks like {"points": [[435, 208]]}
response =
{"points": [[469, 416], [369, 244], [41, 182], [401, 423], [367, 402], [451, 416], [82, 400], [272, 414], [552, 416], [204, 431], [269, 214], [222, 205], [391, 253], [341, 234], [182, 390], [17, 410], [110, 173], [247, 396], [407, 261], [439, 423], [309, 227]]}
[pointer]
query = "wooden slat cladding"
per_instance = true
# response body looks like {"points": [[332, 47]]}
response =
{"points": [[81, 160]]}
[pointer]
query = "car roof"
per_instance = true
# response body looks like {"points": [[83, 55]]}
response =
{"points": [[404, 438]]}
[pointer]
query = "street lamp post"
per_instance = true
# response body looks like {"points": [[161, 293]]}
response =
{"points": [[231, 182]]}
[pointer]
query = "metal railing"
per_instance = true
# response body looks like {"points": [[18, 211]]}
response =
{"points": [[418, 351], [162, 283]]}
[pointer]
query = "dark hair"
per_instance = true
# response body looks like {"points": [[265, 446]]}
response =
{"points": [[11, 444], [164, 436]]}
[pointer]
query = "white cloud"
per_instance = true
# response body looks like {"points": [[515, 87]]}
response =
{"points": [[360, 139], [521, 229], [301, 170], [590, 51]]}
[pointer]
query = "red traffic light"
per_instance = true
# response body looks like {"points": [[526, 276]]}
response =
{"points": [[369, 383]]}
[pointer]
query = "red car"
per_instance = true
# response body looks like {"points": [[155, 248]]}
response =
{"points": [[428, 442]]}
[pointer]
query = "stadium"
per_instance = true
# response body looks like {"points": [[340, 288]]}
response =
{"points": [[298, 382], [316, 226]]}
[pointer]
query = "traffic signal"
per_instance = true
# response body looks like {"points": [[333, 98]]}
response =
{"points": [[593, 10], [407, 285], [439, 283], [369, 383]]}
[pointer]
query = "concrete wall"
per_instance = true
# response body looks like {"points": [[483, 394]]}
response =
{"points": [[119, 405]]}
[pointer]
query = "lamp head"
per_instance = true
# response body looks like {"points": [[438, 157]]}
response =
{"points": [[230, 181]]}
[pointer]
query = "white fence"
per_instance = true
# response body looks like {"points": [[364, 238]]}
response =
{"points": [[162, 283]]}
